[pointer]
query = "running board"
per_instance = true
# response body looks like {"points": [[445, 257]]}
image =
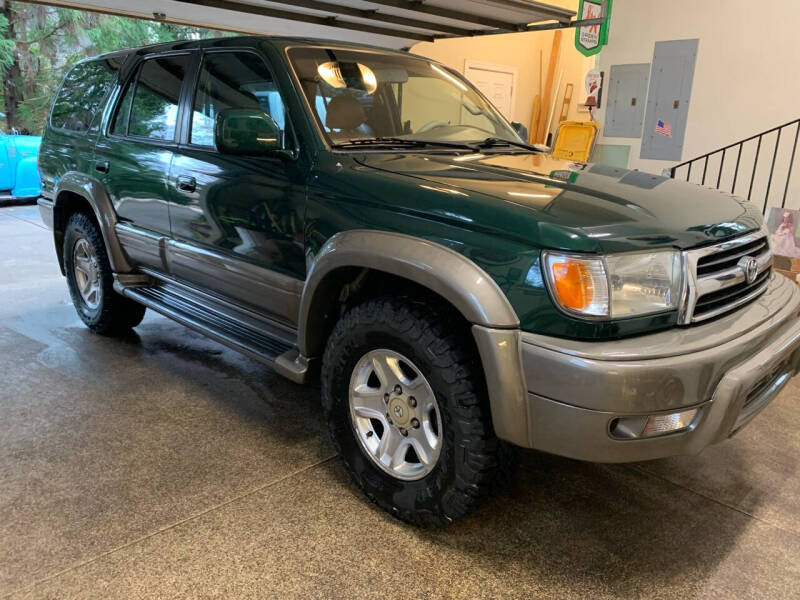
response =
{"points": [[226, 325]]}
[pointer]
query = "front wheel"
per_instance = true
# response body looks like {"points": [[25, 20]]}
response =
{"points": [[403, 394]]}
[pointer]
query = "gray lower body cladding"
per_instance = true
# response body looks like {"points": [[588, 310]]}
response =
{"points": [[728, 369]]}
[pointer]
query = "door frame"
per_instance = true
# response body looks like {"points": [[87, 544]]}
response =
{"points": [[487, 66]]}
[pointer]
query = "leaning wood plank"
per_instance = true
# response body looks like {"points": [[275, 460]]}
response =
{"points": [[537, 105], [535, 117], [548, 86]]}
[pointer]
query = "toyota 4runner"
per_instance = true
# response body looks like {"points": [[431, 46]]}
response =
{"points": [[366, 216]]}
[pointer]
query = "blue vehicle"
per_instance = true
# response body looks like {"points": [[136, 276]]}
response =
{"points": [[19, 171]]}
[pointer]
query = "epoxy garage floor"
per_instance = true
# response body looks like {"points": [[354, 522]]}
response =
{"points": [[166, 466]]}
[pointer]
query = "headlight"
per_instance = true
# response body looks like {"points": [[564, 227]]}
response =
{"points": [[615, 286]]}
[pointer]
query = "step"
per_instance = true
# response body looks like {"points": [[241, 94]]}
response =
{"points": [[226, 327]]}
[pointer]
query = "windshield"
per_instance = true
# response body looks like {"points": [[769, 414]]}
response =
{"points": [[363, 95]]}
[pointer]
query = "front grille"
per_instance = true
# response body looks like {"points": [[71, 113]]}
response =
{"points": [[717, 300], [721, 261], [717, 280]]}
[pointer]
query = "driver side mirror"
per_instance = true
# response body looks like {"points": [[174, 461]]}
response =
{"points": [[247, 132]]}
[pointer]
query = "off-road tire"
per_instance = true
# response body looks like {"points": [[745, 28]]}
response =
{"points": [[472, 461], [115, 314]]}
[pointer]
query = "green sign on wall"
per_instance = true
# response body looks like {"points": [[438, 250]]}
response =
{"points": [[590, 39]]}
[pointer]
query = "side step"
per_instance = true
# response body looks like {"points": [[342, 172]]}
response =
{"points": [[225, 324]]}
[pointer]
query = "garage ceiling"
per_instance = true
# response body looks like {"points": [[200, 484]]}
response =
{"points": [[393, 23]]}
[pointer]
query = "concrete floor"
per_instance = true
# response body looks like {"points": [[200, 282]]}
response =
{"points": [[166, 466]]}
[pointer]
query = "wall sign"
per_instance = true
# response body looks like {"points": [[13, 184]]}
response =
{"points": [[590, 39]]}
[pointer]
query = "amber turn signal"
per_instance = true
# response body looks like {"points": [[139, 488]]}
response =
{"points": [[574, 284], [579, 285]]}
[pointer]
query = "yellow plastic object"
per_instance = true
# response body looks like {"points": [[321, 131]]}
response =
{"points": [[575, 140]]}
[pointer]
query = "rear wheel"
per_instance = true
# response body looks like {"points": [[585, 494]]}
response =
{"points": [[91, 281], [405, 401]]}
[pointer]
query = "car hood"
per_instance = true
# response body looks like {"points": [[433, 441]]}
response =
{"points": [[574, 206]]}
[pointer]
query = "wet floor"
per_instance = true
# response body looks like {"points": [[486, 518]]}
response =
{"points": [[166, 466]]}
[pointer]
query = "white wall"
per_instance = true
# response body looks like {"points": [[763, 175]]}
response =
{"points": [[520, 50], [746, 77]]}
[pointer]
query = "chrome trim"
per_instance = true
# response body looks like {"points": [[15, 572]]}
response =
{"points": [[727, 258], [729, 277], [736, 303], [699, 286]]}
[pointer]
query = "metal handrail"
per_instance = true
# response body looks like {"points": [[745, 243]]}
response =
{"points": [[740, 144]]}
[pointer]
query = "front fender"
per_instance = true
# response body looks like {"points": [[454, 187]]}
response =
{"points": [[454, 277], [28, 182], [442, 270]]}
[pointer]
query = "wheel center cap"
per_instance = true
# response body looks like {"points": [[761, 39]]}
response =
{"points": [[399, 411]]}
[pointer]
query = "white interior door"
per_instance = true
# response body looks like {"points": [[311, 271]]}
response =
{"points": [[497, 82]]}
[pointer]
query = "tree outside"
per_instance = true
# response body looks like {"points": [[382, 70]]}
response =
{"points": [[39, 44]]}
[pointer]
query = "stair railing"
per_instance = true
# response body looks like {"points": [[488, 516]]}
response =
{"points": [[758, 179]]}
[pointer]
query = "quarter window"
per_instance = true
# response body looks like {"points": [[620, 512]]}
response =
{"points": [[83, 93], [228, 81], [149, 108]]}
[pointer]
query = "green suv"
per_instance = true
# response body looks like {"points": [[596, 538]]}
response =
{"points": [[366, 217]]}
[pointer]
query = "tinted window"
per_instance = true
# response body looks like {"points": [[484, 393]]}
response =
{"points": [[154, 110], [82, 94], [363, 94], [233, 80], [120, 124]]}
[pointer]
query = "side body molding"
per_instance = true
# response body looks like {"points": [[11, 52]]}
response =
{"points": [[495, 325], [95, 194]]}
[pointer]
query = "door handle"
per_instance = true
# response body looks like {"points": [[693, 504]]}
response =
{"points": [[102, 166], [186, 183]]}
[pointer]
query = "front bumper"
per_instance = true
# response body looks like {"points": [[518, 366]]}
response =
{"points": [[728, 369]]}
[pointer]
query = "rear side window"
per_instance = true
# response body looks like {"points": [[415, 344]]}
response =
{"points": [[149, 107], [82, 94]]}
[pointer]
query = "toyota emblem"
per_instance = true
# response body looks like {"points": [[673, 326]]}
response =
{"points": [[749, 266]]}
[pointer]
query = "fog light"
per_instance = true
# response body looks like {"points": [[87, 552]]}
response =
{"points": [[653, 426], [662, 424]]}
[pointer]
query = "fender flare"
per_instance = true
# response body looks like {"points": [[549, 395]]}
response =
{"points": [[494, 323], [94, 193], [438, 268]]}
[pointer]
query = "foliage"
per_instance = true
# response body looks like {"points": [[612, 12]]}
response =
{"points": [[6, 46], [49, 40]]}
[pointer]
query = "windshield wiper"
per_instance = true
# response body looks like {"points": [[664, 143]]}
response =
{"points": [[404, 142], [493, 142]]}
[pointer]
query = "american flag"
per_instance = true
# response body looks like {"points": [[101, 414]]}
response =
{"points": [[663, 128]]}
